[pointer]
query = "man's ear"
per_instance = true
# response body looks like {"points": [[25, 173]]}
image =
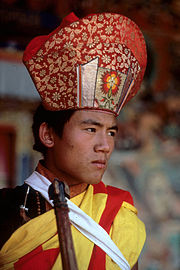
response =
{"points": [[46, 135]]}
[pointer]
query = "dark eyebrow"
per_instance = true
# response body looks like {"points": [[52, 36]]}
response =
{"points": [[115, 127], [91, 122], [95, 123]]}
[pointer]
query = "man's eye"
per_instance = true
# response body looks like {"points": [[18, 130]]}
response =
{"points": [[112, 133], [91, 129]]}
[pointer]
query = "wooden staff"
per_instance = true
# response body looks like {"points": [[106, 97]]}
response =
{"points": [[57, 192]]}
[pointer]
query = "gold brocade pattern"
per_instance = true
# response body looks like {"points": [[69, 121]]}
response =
{"points": [[114, 39]]}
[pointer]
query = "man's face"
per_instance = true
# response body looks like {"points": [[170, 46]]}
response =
{"points": [[82, 154]]}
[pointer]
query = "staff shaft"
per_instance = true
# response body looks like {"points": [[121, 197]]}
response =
{"points": [[57, 194]]}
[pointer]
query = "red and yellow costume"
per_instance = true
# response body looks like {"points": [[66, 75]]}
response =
{"points": [[35, 244]]}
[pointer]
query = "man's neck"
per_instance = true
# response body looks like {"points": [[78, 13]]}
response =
{"points": [[74, 189]]}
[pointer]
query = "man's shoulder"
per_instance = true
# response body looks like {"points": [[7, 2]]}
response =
{"points": [[10, 200], [116, 194], [12, 195]]}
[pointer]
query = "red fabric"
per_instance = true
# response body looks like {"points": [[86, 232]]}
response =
{"points": [[36, 43], [113, 204], [100, 188], [45, 259], [52, 61], [69, 19], [37, 259]]}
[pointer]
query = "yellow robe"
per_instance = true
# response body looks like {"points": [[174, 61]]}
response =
{"points": [[127, 232]]}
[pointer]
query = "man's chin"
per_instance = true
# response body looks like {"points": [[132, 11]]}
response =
{"points": [[94, 181]]}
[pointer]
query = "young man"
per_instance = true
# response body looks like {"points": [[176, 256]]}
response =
{"points": [[84, 71]]}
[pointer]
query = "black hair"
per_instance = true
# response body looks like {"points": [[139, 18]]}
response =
{"points": [[54, 119]]}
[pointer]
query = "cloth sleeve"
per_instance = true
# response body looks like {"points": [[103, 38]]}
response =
{"points": [[128, 233]]}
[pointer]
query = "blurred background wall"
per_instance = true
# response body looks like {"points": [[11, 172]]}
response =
{"points": [[147, 154]]}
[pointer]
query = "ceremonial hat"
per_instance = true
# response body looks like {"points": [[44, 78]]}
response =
{"points": [[96, 62]]}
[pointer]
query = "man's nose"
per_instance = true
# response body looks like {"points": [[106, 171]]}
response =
{"points": [[102, 144]]}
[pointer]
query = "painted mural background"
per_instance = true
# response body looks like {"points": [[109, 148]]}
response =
{"points": [[147, 154]]}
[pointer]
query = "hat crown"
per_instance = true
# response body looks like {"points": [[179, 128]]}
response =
{"points": [[95, 62]]}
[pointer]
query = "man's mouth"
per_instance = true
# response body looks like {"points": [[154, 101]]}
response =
{"points": [[100, 164]]}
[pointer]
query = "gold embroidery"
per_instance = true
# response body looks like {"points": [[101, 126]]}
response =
{"points": [[79, 43]]}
